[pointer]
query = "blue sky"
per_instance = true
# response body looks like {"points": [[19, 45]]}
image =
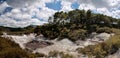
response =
{"points": [[21, 13], [56, 5], [1, 1], [75, 5]]}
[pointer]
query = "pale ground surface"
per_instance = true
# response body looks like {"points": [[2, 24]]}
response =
{"points": [[21, 40], [116, 55], [64, 45]]}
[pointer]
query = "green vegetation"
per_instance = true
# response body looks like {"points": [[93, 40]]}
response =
{"points": [[77, 34], [9, 49], [79, 24], [103, 49], [56, 54], [104, 29], [76, 24], [16, 31]]}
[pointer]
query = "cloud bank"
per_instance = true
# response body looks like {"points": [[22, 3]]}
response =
{"points": [[37, 12]]}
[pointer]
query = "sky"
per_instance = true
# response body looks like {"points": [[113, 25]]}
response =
{"points": [[22, 13]]}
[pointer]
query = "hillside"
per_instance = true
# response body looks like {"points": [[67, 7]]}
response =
{"points": [[77, 24], [83, 33], [16, 31]]}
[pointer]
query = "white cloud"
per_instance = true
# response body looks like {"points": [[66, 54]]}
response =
{"points": [[86, 7], [15, 20], [22, 15], [66, 6], [24, 10], [21, 3], [3, 7], [101, 6]]}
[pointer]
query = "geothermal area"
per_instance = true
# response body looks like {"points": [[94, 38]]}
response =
{"points": [[40, 44]]}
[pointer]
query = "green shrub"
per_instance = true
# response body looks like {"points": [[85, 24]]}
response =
{"points": [[64, 33], [9, 49], [104, 29], [104, 49], [77, 34], [55, 54]]}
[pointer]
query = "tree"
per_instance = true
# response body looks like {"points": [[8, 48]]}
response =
{"points": [[118, 24], [88, 17], [82, 17], [50, 20], [37, 30]]}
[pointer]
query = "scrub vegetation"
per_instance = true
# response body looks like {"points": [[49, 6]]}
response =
{"points": [[74, 25]]}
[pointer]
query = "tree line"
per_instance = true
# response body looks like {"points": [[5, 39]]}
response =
{"points": [[76, 24]]}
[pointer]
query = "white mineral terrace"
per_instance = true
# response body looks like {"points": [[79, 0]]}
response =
{"points": [[64, 45], [21, 40]]}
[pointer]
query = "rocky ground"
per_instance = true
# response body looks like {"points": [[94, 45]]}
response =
{"points": [[116, 55], [41, 45]]}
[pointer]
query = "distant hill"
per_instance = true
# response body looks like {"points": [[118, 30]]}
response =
{"points": [[11, 30]]}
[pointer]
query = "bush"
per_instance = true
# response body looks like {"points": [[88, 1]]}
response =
{"points": [[55, 54], [92, 28], [50, 31], [77, 34], [9, 49], [13, 53], [104, 29], [102, 50], [64, 33]]}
